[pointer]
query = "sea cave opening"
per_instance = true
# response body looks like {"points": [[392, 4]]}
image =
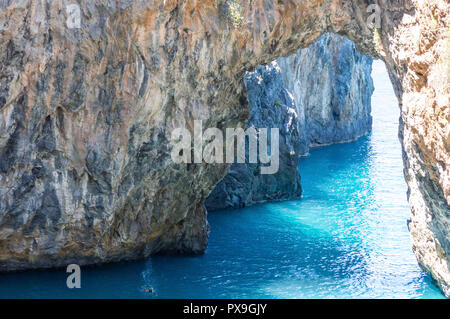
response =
{"points": [[337, 231]]}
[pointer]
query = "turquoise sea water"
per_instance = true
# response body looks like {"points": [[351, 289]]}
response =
{"points": [[347, 237]]}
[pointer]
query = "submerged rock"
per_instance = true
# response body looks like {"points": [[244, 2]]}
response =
{"points": [[320, 95]]}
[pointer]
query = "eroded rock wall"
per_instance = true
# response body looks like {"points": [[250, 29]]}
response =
{"points": [[86, 115], [271, 106], [332, 87], [320, 95]]}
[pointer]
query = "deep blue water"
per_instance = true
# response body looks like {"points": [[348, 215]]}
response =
{"points": [[347, 237]]}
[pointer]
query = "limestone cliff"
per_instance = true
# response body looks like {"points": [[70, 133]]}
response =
{"points": [[271, 106], [332, 87], [320, 95], [86, 113]]}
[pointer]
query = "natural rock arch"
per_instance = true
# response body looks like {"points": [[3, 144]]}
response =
{"points": [[86, 115]]}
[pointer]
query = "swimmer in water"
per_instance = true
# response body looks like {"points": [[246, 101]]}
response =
{"points": [[150, 290]]}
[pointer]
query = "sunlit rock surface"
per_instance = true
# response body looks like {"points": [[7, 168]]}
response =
{"points": [[86, 115]]}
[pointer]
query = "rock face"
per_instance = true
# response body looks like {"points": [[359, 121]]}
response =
{"points": [[86, 115], [271, 106], [323, 94], [332, 87]]}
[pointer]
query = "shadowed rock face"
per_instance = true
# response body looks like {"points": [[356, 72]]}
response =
{"points": [[320, 95], [86, 115]]}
